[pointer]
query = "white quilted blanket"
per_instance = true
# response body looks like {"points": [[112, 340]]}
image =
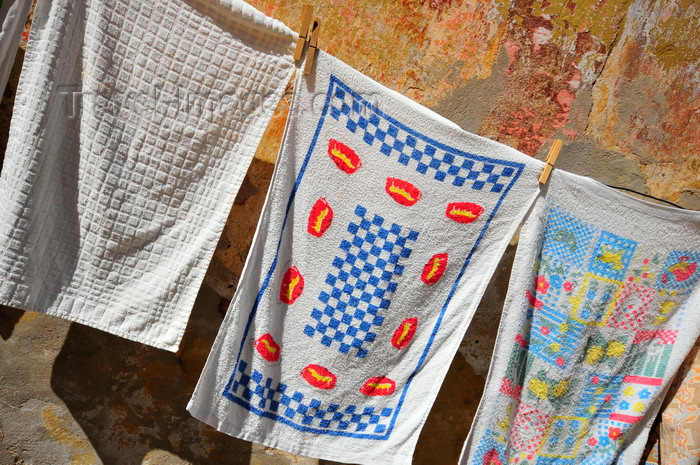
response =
{"points": [[13, 15], [133, 128]]}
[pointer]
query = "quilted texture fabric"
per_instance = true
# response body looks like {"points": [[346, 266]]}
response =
{"points": [[601, 311], [13, 15], [383, 226], [133, 127]]}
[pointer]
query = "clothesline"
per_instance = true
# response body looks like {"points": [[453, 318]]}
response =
{"points": [[646, 195], [380, 233]]}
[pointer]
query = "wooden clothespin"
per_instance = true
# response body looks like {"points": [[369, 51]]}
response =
{"points": [[551, 159], [313, 46], [306, 14]]}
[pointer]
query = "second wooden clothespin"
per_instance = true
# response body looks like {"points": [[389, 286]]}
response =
{"points": [[550, 160], [306, 14], [313, 46]]}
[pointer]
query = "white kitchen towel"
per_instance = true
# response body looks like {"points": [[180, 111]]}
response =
{"points": [[382, 227], [133, 127], [13, 16], [601, 310]]}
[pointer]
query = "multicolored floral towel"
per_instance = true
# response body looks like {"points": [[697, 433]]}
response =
{"points": [[602, 309], [383, 225], [133, 127]]}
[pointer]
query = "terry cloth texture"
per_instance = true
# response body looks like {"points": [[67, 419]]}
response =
{"points": [[382, 227], [133, 127], [600, 312], [13, 16]]}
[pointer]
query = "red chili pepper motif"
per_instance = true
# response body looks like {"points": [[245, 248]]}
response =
{"points": [[343, 156], [268, 348], [378, 386], [404, 333], [292, 285], [320, 218], [319, 377], [463, 212], [434, 269], [402, 191]]}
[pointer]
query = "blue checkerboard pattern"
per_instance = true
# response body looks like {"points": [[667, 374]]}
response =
{"points": [[417, 151], [263, 395], [362, 284]]}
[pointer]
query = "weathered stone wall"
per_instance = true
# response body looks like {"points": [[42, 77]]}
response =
{"points": [[616, 80]]}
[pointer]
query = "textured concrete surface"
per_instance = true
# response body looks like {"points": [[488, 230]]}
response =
{"points": [[617, 80]]}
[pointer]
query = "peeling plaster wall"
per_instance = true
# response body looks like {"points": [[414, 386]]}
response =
{"points": [[618, 81]]}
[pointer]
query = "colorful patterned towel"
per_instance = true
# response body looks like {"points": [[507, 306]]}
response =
{"points": [[133, 127], [602, 309], [680, 418], [383, 225]]}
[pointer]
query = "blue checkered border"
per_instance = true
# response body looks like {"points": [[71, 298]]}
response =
{"points": [[415, 151], [271, 399], [518, 167], [362, 284]]}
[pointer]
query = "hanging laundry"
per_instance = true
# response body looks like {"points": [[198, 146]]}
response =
{"points": [[382, 227], [600, 312], [13, 16], [133, 127], [679, 433]]}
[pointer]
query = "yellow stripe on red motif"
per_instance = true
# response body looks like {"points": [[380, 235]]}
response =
{"points": [[267, 348], [378, 386], [320, 218], [402, 191], [404, 333], [318, 376], [434, 268], [343, 156], [292, 285], [463, 212]]}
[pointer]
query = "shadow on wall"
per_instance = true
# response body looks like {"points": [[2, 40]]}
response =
{"points": [[8, 319], [130, 399], [9, 316]]}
